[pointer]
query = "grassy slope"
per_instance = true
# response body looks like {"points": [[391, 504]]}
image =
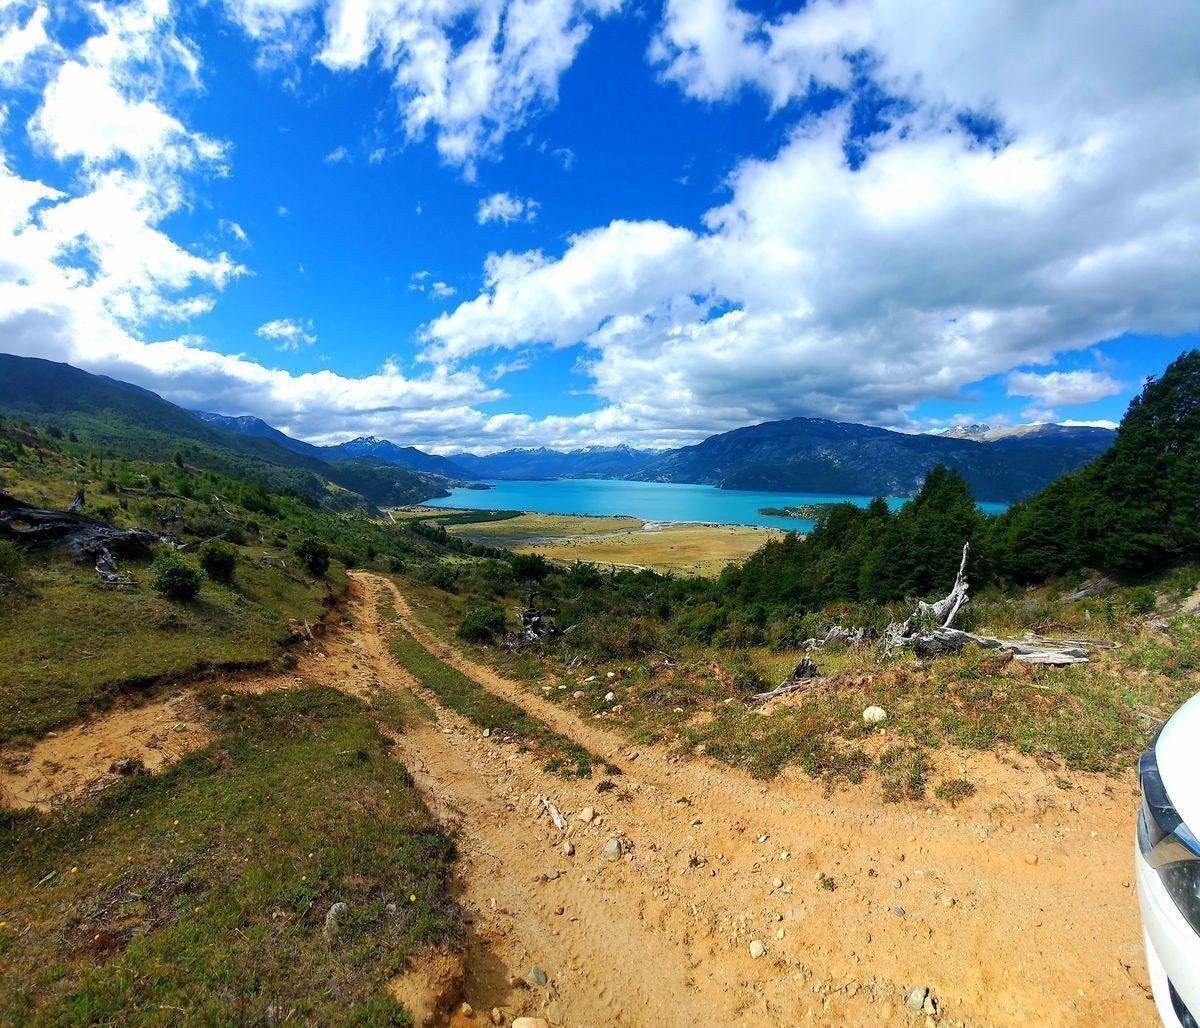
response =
{"points": [[201, 893], [72, 644]]}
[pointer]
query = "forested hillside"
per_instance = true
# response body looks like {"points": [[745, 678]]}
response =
{"points": [[105, 417]]}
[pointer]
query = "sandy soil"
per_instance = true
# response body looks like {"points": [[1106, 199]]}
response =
{"points": [[1014, 909]]}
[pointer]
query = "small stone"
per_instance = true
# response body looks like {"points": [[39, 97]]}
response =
{"points": [[497, 1017], [915, 1000], [1031, 859], [568, 848], [530, 1022], [609, 697], [181, 727], [551, 875], [538, 976], [898, 911], [332, 917], [777, 883], [757, 949], [487, 733], [612, 849], [467, 1010], [579, 694], [586, 815], [779, 933], [874, 715]]}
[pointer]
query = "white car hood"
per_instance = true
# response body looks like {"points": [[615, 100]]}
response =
{"points": [[1178, 752]]}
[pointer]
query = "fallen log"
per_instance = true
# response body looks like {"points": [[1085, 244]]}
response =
{"points": [[928, 631], [84, 538]]}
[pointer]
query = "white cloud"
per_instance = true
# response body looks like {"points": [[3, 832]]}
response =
{"points": [[440, 290], [21, 41], [1098, 423], [87, 270], [470, 71], [288, 333], [234, 229], [855, 294], [1063, 388], [506, 208], [337, 156]]}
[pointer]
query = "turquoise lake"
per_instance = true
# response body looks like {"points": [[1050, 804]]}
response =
{"points": [[650, 501]]}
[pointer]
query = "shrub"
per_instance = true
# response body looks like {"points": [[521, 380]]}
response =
{"points": [[218, 560], [483, 624], [529, 567], [11, 559], [314, 555], [176, 577], [443, 576]]}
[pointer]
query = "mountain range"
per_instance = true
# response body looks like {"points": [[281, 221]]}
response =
{"points": [[796, 455], [814, 455], [114, 418]]}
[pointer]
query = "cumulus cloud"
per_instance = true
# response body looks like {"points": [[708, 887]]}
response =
{"points": [[855, 292], [470, 71], [506, 208], [88, 269], [1062, 388], [288, 333]]}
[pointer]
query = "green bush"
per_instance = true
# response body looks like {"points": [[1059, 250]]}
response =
{"points": [[314, 555], [11, 559], [176, 577], [483, 624], [218, 560]]}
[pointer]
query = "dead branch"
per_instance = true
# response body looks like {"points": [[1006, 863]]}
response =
{"points": [[559, 821]]}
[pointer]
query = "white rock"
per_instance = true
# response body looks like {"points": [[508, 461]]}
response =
{"points": [[586, 815], [609, 697], [873, 715], [757, 949]]}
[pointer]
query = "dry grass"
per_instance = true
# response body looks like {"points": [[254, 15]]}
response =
{"points": [[688, 549]]}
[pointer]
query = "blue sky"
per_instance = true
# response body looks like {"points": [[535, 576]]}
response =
{"points": [[704, 214]]}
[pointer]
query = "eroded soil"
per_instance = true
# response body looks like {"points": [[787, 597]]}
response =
{"points": [[1013, 909]]}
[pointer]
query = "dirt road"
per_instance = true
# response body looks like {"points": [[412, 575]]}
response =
{"points": [[1014, 909]]}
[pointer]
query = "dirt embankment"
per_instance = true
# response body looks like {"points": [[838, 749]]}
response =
{"points": [[1014, 909]]}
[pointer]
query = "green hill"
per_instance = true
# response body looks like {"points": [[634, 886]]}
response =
{"points": [[118, 419]]}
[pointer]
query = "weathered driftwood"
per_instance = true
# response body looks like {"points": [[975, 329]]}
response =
{"points": [[928, 631], [106, 571], [839, 634], [801, 676], [929, 617], [82, 537]]}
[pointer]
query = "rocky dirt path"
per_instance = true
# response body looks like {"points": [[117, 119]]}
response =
{"points": [[1014, 909]]}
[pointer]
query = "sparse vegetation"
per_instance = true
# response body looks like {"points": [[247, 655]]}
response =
{"points": [[205, 888]]}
